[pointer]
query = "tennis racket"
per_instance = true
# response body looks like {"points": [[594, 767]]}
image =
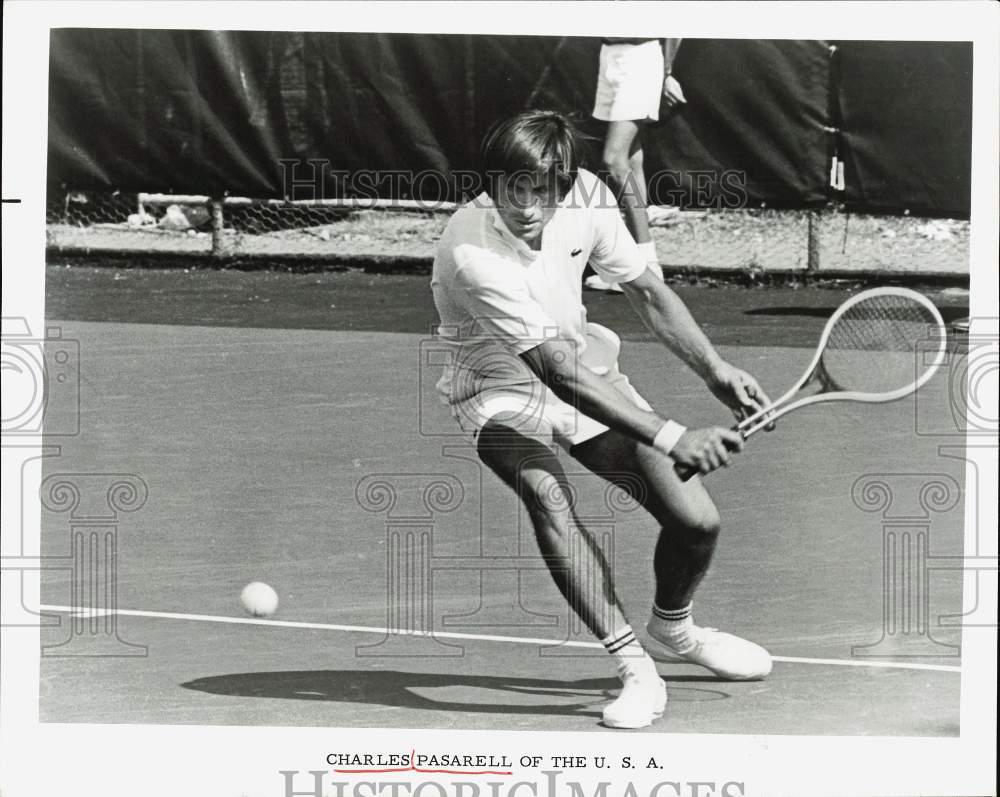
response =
{"points": [[867, 352]]}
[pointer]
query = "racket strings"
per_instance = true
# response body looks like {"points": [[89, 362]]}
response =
{"points": [[874, 347]]}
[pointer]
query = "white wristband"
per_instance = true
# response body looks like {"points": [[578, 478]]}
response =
{"points": [[668, 436]]}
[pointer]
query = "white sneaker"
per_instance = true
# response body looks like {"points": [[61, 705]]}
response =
{"points": [[595, 283], [726, 655], [643, 699]]}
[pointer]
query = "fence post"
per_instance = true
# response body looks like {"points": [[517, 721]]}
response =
{"points": [[812, 243], [218, 231]]}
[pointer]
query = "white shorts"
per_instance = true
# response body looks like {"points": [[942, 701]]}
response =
{"points": [[535, 411], [629, 82]]}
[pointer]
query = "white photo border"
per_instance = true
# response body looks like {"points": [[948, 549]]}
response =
{"points": [[193, 760]]}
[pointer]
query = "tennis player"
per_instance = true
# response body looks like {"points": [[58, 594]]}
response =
{"points": [[634, 77], [528, 373]]}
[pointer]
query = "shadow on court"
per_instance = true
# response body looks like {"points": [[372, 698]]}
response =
{"points": [[400, 689]]}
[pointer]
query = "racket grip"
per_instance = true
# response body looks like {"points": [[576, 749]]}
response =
{"points": [[686, 472]]}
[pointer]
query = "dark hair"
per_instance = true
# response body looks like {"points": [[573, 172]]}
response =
{"points": [[530, 143]]}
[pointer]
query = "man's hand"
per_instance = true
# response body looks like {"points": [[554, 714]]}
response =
{"points": [[705, 450], [739, 391], [672, 93]]}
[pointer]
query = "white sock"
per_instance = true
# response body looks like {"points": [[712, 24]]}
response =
{"points": [[626, 649], [675, 626]]}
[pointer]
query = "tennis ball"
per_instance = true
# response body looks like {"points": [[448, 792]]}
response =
{"points": [[259, 600]]}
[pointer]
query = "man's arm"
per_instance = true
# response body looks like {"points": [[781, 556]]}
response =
{"points": [[669, 319], [555, 362]]}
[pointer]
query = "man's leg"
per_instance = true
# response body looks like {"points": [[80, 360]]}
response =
{"points": [[534, 472], [577, 566], [689, 530], [689, 522]]}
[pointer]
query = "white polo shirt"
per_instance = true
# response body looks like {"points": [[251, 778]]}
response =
{"points": [[497, 298]]}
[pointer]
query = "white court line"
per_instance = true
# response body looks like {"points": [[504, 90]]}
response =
{"points": [[516, 640]]}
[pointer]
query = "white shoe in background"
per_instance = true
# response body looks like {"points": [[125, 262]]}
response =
{"points": [[595, 283]]}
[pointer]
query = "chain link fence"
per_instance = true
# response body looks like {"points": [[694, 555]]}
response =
{"points": [[750, 241]]}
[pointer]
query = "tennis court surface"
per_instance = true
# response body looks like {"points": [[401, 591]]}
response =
{"points": [[269, 415]]}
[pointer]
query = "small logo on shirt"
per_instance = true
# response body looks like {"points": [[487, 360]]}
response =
{"points": [[575, 252]]}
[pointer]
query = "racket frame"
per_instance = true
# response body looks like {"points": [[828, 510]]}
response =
{"points": [[754, 423]]}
